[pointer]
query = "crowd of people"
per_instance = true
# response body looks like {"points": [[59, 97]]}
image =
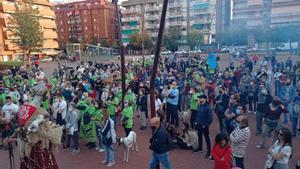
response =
{"points": [[87, 101]]}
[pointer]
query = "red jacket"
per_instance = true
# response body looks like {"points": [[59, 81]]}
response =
{"points": [[222, 156]]}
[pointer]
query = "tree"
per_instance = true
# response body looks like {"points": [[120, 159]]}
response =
{"points": [[94, 40], [194, 39], [136, 42], [104, 42], [27, 29], [171, 39], [236, 35]]}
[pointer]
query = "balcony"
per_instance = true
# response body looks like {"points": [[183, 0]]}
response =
{"points": [[49, 34], [151, 17], [175, 24], [129, 19], [48, 24], [129, 27], [175, 5], [151, 26], [152, 9], [7, 8], [50, 43]]}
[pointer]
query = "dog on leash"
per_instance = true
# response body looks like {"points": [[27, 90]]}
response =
{"points": [[128, 143]]}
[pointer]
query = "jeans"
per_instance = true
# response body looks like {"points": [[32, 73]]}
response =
{"points": [[75, 139], [277, 87], [204, 131], [172, 114], [259, 119], [252, 103], [99, 135], [143, 119], [193, 118], [239, 162], [113, 117], [269, 126], [109, 153], [295, 122], [160, 158]]}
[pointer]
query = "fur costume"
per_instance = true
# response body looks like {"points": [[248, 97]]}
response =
{"points": [[37, 138]]}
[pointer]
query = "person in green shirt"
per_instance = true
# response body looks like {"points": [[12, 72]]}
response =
{"points": [[131, 98], [127, 117], [98, 116], [194, 105], [88, 125], [112, 104]]}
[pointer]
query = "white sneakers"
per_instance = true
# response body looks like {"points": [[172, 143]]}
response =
{"points": [[99, 149], [110, 164]]}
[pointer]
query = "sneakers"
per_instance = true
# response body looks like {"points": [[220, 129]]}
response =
{"points": [[110, 164], [99, 149], [260, 146], [104, 162], [75, 151], [197, 150]]}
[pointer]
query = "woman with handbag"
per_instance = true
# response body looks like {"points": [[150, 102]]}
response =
{"points": [[281, 151], [109, 139]]}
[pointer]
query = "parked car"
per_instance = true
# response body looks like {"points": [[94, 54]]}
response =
{"points": [[47, 59], [225, 49]]}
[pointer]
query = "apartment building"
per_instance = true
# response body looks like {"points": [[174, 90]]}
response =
{"points": [[8, 50], [185, 15], [254, 13], [285, 12], [140, 16], [84, 21], [190, 15]]}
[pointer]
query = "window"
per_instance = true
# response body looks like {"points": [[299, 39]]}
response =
{"points": [[84, 20], [61, 22], [95, 19], [86, 28], [62, 30], [95, 27]]}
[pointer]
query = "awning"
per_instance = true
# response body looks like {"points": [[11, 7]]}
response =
{"points": [[51, 52]]}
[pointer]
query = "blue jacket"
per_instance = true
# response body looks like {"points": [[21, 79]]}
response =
{"points": [[204, 115], [160, 141]]}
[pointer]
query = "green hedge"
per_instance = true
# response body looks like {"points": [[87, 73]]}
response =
{"points": [[11, 63]]}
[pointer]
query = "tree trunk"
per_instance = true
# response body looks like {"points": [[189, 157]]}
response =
{"points": [[26, 58]]}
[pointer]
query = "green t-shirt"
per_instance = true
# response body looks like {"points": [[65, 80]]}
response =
{"points": [[194, 101], [128, 112], [112, 106]]}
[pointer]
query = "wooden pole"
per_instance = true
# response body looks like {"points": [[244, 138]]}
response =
{"points": [[157, 56], [122, 50], [156, 59]]}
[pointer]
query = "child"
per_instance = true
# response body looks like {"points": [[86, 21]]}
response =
{"points": [[222, 153], [72, 129]]}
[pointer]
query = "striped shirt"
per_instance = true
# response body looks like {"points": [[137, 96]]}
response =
{"points": [[239, 140]]}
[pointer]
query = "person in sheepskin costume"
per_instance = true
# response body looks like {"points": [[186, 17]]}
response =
{"points": [[37, 136]]}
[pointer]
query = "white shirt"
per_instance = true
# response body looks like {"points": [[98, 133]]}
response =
{"points": [[157, 104], [286, 150], [9, 110], [60, 106]]}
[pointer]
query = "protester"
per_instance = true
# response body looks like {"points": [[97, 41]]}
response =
{"points": [[188, 139], [142, 107], [203, 122], [109, 139], [272, 117], [127, 117], [222, 102], [281, 151], [160, 145], [221, 152], [239, 139], [172, 105], [72, 129]]}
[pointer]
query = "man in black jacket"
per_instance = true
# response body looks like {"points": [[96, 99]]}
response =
{"points": [[142, 106], [203, 121], [222, 101], [160, 145]]}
